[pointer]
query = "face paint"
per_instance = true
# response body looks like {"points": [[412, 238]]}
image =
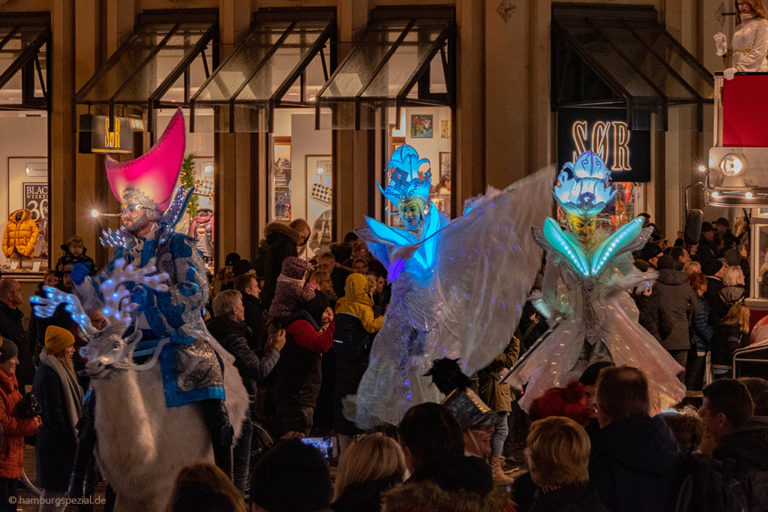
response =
{"points": [[410, 213], [582, 227]]}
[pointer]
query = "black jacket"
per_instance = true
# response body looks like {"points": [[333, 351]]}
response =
{"points": [[11, 328], [233, 336], [635, 465], [364, 497], [281, 243], [254, 319], [747, 447], [652, 317], [576, 497], [678, 300], [55, 442], [725, 340]]}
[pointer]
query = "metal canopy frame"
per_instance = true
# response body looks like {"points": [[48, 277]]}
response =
{"points": [[630, 19], [28, 61], [381, 18], [182, 68], [318, 49]]}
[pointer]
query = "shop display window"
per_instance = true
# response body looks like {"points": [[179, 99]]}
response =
{"points": [[25, 224]]}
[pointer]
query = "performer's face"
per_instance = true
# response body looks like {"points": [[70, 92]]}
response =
{"points": [[410, 213], [135, 219], [581, 226]]}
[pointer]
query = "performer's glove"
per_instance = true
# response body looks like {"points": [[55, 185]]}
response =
{"points": [[721, 44], [729, 73], [79, 272]]}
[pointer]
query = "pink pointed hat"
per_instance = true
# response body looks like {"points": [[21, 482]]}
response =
{"points": [[150, 179]]}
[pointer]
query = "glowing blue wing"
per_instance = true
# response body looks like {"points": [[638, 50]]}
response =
{"points": [[387, 234], [566, 246], [615, 243], [425, 254]]}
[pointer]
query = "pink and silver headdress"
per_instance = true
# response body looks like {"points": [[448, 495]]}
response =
{"points": [[404, 181], [583, 186]]}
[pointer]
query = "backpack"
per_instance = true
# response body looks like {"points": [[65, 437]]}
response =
{"points": [[708, 485], [351, 342]]}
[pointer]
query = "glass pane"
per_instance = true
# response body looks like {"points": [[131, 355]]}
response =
{"points": [[196, 78], [663, 45], [314, 77], [406, 59], [137, 49], [359, 69], [145, 80], [600, 52], [231, 75], [437, 83], [19, 42], [42, 57], [283, 61], [646, 63]]}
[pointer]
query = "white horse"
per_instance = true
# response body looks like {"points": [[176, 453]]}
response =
{"points": [[141, 443]]}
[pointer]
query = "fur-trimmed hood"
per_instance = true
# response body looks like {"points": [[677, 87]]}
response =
{"points": [[428, 497], [274, 229]]}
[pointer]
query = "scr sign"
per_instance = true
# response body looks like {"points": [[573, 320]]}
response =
{"points": [[625, 152]]}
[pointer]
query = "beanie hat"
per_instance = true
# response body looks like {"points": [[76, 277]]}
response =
{"points": [[649, 250], [569, 401], [8, 350], [294, 267], [710, 266], [291, 477], [231, 259], [242, 267], [666, 261], [57, 339], [706, 226]]}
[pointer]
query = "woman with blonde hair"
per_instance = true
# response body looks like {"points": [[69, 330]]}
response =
{"points": [[558, 449], [204, 488], [731, 334], [370, 465]]}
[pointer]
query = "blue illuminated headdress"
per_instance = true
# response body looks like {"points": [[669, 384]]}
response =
{"points": [[582, 187], [404, 182]]}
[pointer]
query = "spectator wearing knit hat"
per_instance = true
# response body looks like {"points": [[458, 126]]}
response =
{"points": [[14, 429], [291, 477], [292, 292], [61, 399]]}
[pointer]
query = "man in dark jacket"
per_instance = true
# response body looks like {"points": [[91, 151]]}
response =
{"points": [[248, 286], [11, 327], [229, 329], [282, 242], [737, 437], [635, 465], [705, 251], [678, 300]]}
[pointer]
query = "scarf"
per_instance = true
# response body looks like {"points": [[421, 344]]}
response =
{"points": [[73, 394]]}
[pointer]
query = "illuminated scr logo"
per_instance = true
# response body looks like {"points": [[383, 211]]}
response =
{"points": [[602, 143]]}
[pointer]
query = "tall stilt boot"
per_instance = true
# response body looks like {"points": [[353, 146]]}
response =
{"points": [[222, 434]]}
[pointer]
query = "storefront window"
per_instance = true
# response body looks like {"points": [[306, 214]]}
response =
{"points": [[428, 130], [301, 173]]}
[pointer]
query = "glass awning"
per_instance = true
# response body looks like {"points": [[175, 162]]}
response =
{"points": [[636, 61], [284, 61], [399, 61], [24, 77], [161, 64]]}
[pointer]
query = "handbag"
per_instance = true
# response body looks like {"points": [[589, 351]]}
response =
{"points": [[28, 407]]}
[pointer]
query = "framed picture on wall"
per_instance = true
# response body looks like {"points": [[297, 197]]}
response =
{"points": [[421, 126], [445, 164], [281, 179], [445, 128]]}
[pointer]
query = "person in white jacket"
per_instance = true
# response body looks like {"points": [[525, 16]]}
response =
{"points": [[749, 44]]}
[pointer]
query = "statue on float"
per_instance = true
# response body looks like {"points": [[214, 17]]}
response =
{"points": [[164, 393], [588, 273], [458, 287]]}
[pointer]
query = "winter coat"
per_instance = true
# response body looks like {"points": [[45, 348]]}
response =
{"points": [[576, 497], [498, 395], [725, 340], [282, 242], [654, 319], [233, 336], [11, 328], [679, 301], [364, 497], [353, 337], [298, 374], [701, 330], [747, 448], [14, 429], [427, 496], [290, 296], [635, 465], [254, 319], [20, 236], [70, 259], [55, 444], [718, 307]]}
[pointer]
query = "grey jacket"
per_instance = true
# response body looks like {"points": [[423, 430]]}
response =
{"points": [[678, 301]]}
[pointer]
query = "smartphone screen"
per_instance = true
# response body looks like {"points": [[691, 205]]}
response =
{"points": [[325, 445]]}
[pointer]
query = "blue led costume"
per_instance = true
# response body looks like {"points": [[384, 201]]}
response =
{"points": [[457, 287], [585, 293]]}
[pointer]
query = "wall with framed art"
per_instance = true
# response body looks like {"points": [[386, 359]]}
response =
{"points": [[24, 185]]}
